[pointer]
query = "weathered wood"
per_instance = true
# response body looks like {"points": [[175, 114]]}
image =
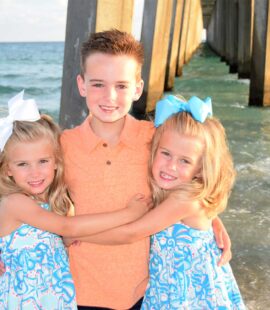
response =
{"points": [[81, 20], [183, 38], [245, 33], [221, 20], [234, 36], [260, 61], [159, 53], [195, 28], [231, 46], [155, 39], [147, 34], [114, 14], [212, 30], [174, 43]]}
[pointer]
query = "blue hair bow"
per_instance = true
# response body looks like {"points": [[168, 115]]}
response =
{"points": [[199, 109]]}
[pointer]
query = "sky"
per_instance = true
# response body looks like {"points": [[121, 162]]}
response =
{"points": [[32, 20]]}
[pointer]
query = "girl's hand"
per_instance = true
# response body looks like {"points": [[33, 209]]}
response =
{"points": [[138, 205], [70, 241]]}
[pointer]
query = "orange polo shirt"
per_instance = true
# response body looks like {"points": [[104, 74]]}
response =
{"points": [[102, 179]]}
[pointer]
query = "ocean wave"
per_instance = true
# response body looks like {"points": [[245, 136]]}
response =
{"points": [[6, 90], [29, 91], [258, 167], [10, 75]]}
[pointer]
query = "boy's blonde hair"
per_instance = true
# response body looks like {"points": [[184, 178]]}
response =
{"points": [[24, 131], [112, 42], [214, 185]]}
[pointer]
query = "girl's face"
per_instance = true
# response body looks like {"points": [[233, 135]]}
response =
{"points": [[178, 159], [32, 166]]}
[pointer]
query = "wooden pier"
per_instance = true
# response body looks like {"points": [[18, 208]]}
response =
{"points": [[171, 31]]}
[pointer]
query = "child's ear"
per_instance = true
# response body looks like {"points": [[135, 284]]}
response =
{"points": [[8, 172], [138, 90], [81, 85], [198, 175]]}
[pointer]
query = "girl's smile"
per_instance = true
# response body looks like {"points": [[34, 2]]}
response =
{"points": [[178, 159], [32, 167]]}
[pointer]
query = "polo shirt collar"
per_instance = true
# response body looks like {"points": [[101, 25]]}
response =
{"points": [[89, 137], [128, 136]]}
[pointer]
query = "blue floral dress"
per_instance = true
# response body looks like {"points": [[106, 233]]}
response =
{"points": [[37, 271], [184, 273]]}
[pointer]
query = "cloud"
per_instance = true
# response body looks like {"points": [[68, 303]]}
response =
{"points": [[31, 20]]}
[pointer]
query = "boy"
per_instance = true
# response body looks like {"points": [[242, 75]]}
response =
{"points": [[106, 164]]}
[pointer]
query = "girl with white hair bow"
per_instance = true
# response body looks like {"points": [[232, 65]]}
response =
{"points": [[33, 205]]}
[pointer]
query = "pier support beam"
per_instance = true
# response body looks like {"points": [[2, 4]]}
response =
{"points": [[195, 29], [73, 109], [260, 63], [114, 14], [232, 34], [155, 39], [175, 32], [245, 33], [183, 38]]}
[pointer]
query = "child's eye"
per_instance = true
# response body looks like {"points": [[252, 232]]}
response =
{"points": [[98, 85], [184, 161], [165, 153], [44, 161], [122, 86], [22, 164]]}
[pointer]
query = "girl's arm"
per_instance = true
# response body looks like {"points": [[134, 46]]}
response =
{"points": [[25, 210], [162, 216]]}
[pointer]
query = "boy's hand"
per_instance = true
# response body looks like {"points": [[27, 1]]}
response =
{"points": [[223, 241], [138, 205]]}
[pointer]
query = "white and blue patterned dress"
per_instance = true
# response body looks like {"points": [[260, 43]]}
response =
{"points": [[37, 271], [184, 273]]}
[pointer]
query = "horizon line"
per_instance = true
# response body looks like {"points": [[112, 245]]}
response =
{"points": [[53, 41]]}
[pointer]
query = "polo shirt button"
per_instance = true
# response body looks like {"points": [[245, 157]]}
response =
{"points": [[108, 162], [105, 144]]}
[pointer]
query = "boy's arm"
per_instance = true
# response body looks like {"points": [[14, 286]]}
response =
{"points": [[223, 241]]}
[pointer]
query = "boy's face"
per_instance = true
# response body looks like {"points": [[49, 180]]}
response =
{"points": [[110, 85]]}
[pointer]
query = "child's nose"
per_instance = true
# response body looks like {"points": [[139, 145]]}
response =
{"points": [[111, 93], [172, 164], [34, 171]]}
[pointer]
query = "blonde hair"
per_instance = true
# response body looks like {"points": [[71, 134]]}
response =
{"points": [[24, 131], [217, 175]]}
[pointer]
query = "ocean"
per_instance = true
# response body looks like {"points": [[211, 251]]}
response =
{"points": [[34, 67], [37, 68]]}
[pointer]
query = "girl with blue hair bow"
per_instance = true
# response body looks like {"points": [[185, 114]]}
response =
{"points": [[33, 205], [191, 174]]}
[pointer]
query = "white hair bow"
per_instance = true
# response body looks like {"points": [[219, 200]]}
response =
{"points": [[19, 110]]}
